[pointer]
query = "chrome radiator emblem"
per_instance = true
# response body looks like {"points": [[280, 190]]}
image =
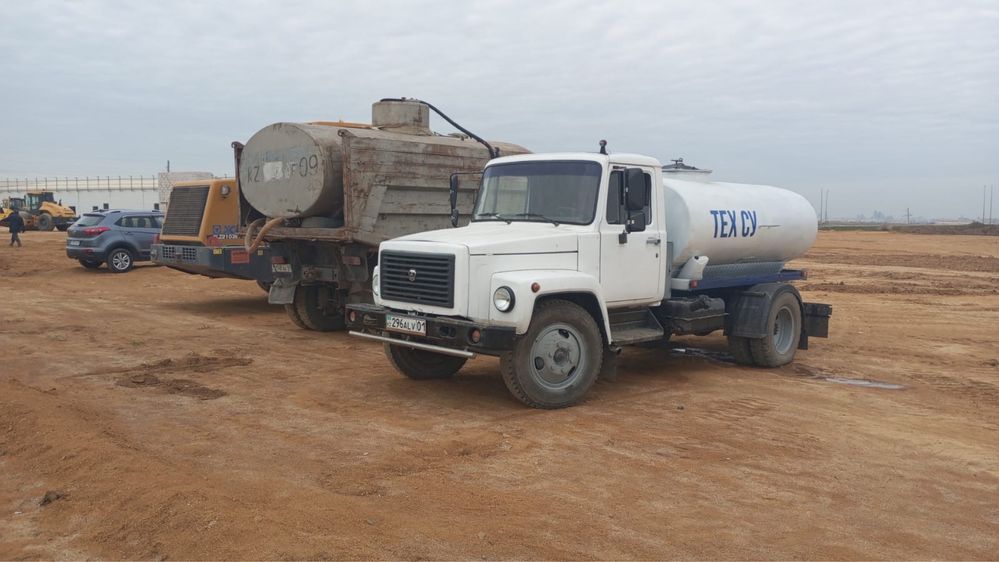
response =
{"points": [[412, 275]]}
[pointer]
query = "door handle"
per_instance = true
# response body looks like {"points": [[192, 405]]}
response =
{"points": [[653, 240]]}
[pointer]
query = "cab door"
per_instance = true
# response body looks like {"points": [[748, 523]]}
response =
{"points": [[631, 262]]}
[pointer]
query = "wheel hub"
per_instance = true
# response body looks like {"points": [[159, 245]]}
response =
{"points": [[556, 356]]}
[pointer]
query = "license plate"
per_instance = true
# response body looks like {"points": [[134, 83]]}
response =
{"points": [[281, 268], [406, 324], [74, 242]]}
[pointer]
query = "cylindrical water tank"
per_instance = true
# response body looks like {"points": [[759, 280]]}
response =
{"points": [[293, 170], [732, 223]]}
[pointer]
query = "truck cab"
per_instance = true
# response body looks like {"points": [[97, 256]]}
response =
{"points": [[565, 260]]}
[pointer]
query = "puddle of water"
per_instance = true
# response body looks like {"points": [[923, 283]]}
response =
{"points": [[807, 372], [864, 382]]}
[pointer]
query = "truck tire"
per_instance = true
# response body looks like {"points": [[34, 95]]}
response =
{"points": [[421, 365], [120, 260], [320, 307], [90, 264], [292, 312], [783, 332], [738, 348], [44, 222], [556, 362], [265, 286]]}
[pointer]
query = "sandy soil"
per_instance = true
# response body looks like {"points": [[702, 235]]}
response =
{"points": [[177, 417]]}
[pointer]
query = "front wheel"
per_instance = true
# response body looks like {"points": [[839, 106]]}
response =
{"points": [[783, 332], [120, 260], [556, 362], [422, 365]]}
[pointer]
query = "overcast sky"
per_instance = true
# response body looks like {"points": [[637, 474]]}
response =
{"points": [[887, 104]]}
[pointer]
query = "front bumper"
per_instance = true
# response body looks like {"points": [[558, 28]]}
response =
{"points": [[444, 334], [218, 261]]}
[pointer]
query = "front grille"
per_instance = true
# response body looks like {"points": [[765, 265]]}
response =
{"points": [[187, 206], [179, 253], [417, 278]]}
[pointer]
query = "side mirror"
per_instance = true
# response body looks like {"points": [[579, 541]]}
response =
{"points": [[636, 189], [454, 200], [636, 222]]}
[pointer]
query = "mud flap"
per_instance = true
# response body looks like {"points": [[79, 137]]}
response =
{"points": [[282, 292]]}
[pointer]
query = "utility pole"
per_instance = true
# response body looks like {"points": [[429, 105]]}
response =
{"points": [[826, 206], [991, 197], [821, 195], [907, 215], [984, 197]]}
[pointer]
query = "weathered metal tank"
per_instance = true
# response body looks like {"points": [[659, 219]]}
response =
{"points": [[292, 170]]}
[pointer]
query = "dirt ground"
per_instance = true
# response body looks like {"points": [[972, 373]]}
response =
{"points": [[157, 415]]}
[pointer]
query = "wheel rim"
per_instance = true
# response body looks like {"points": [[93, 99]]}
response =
{"points": [[783, 330], [557, 356], [121, 260]]}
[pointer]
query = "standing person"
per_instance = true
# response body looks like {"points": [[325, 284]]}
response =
{"points": [[16, 225]]}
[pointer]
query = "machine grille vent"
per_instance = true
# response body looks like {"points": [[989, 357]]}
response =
{"points": [[187, 206]]}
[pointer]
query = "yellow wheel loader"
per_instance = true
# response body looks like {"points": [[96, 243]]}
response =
{"points": [[40, 211]]}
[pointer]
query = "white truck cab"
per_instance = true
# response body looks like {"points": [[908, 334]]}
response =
{"points": [[567, 258]]}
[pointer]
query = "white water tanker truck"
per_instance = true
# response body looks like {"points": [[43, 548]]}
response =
{"points": [[569, 257], [316, 199]]}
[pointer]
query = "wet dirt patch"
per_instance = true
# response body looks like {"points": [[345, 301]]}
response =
{"points": [[818, 374], [183, 387]]}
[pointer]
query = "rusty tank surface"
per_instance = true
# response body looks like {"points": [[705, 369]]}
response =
{"points": [[300, 170]]}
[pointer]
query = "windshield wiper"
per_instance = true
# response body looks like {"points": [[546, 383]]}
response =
{"points": [[538, 215], [493, 215]]}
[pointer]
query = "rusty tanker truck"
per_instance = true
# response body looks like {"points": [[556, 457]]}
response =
{"points": [[316, 199]]}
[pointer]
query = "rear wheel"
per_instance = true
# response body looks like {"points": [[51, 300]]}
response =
{"points": [[418, 364], [783, 332], [292, 312], [90, 264], [320, 307], [120, 260], [739, 349], [556, 362], [44, 222]]}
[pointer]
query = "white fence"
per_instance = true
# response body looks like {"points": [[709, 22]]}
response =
{"points": [[85, 193]]}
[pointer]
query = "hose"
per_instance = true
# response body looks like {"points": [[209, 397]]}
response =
{"points": [[493, 151], [252, 246]]}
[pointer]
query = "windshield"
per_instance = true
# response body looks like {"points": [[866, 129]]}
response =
{"points": [[559, 192]]}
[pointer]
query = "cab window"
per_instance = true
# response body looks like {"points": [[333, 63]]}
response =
{"points": [[616, 211]]}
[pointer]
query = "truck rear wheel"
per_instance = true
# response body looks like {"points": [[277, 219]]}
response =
{"points": [[738, 348], [292, 312], [783, 332], [556, 362], [320, 307], [418, 364]]}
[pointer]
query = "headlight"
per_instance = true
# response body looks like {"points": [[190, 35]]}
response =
{"points": [[225, 190], [503, 299], [375, 285]]}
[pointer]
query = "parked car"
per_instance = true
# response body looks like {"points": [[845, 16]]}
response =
{"points": [[116, 237]]}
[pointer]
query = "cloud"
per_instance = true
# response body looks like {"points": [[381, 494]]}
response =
{"points": [[895, 98]]}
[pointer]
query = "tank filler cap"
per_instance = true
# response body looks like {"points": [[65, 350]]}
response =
{"points": [[678, 167]]}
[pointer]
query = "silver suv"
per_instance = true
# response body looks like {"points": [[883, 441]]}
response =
{"points": [[118, 237]]}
